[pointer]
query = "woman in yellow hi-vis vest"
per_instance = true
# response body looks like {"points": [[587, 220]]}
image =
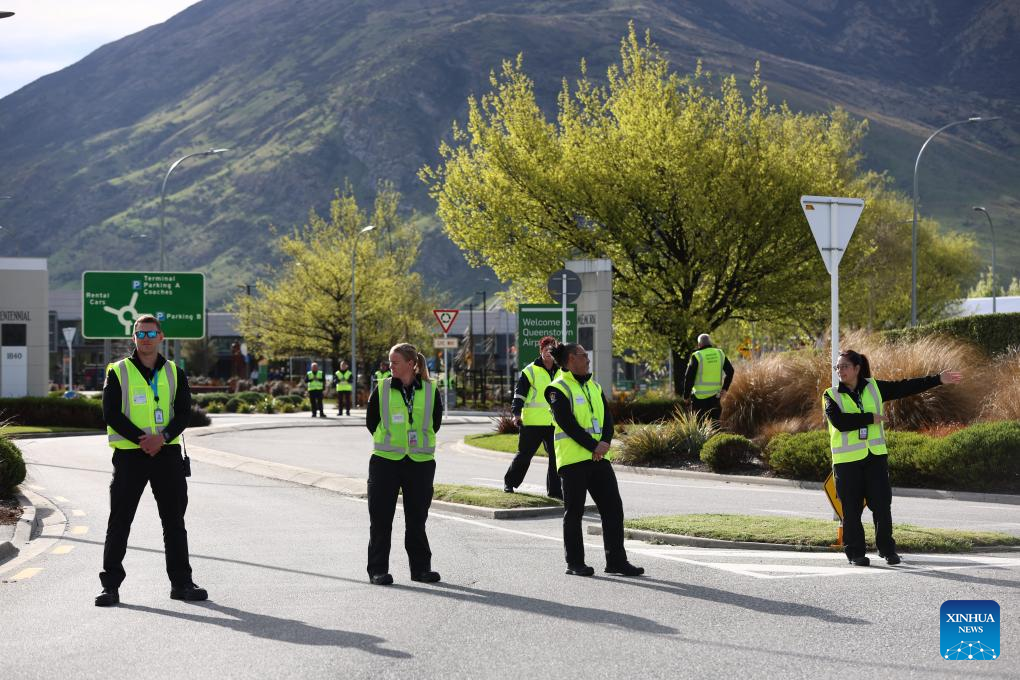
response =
{"points": [[860, 464], [404, 414], [583, 430]]}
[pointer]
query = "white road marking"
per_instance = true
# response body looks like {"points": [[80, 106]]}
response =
{"points": [[78, 513], [62, 549]]}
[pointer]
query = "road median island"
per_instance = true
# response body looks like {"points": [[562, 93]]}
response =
{"points": [[793, 533], [483, 501]]}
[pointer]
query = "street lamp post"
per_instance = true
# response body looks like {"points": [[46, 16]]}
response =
{"points": [[913, 238], [991, 229], [162, 198], [354, 320]]}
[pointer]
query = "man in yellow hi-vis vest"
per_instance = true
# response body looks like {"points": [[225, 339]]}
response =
{"points": [[531, 414], [315, 381], [343, 388], [146, 406], [708, 376]]}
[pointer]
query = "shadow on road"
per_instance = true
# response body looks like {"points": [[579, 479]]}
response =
{"points": [[277, 628], [542, 607], [758, 604]]}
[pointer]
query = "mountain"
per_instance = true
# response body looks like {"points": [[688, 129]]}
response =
{"points": [[309, 93]]}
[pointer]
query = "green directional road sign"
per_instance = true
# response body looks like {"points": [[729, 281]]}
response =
{"points": [[111, 301], [535, 321]]}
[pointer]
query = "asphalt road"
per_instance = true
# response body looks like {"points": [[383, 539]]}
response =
{"points": [[342, 446], [284, 565]]}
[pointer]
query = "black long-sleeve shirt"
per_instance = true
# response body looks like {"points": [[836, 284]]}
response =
{"points": [[692, 374], [889, 389], [563, 414], [373, 415], [524, 385], [122, 425]]}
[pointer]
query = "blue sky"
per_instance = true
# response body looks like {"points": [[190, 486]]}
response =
{"points": [[46, 35]]}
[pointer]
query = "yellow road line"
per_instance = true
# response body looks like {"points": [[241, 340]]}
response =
{"points": [[78, 513], [62, 549], [79, 530], [60, 499], [25, 573]]}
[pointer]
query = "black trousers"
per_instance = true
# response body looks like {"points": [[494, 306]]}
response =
{"points": [[712, 407], [385, 479], [343, 401], [866, 478], [164, 472], [527, 444], [315, 397], [598, 479]]}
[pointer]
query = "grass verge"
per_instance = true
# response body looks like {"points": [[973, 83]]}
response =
{"points": [[38, 429], [488, 497], [507, 443], [815, 532]]}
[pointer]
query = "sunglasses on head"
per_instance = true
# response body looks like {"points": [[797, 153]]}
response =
{"points": [[146, 334]]}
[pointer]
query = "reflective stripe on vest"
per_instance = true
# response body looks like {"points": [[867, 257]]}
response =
{"points": [[567, 450], [709, 379], [847, 447], [536, 408], [316, 381], [391, 438], [143, 415], [343, 381]]}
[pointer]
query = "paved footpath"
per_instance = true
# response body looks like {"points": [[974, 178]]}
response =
{"points": [[284, 564]]}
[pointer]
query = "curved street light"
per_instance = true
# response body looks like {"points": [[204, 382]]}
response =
{"points": [[162, 197], [354, 320], [913, 238], [979, 208]]}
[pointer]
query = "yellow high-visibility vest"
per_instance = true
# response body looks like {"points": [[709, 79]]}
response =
{"points": [[138, 401], [587, 407], [847, 447]]}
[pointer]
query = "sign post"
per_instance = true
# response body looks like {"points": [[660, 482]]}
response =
{"points": [[69, 334], [565, 287], [111, 301], [832, 222], [446, 317]]}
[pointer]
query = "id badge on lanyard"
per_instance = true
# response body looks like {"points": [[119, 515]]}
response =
{"points": [[158, 416], [862, 433], [595, 427], [412, 439]]}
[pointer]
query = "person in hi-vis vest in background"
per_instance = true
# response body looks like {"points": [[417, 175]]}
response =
{"points": [[708, 376], [146, 406], [860, 463], [531, 414], [315, 381], [343, 388], [583, 430], [404, 413]]}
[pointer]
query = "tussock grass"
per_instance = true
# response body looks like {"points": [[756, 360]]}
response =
{"points": [[783, 392], [1003, 399]]}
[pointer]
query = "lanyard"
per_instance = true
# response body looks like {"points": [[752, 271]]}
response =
{"points": [[584, 389], [154, 384], [409, 403]]}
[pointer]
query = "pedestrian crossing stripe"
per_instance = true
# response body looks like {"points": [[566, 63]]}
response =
{"points": [[62, 549], [25, 574]]}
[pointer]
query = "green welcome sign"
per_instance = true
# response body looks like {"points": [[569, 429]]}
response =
{"points": [[111, 301], [535, 321]]}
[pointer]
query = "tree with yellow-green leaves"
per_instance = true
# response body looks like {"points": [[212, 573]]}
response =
{"points": [[304, 306], [689, 187]]}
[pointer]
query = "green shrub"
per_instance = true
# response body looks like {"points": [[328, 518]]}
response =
{"points": [[800, 456], [250, 398], [266, 406], [12, 467], [648, 445], [671, 442], [983, 457], [728, 451], [289, 399], [306, 405], [642, 409], [905, 449], [288, 408], [48, 411], [204, 400], [994, 333], [234, 405], [214, 407], [688, 433]]}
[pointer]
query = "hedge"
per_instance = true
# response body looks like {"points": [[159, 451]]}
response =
{"points": [[643, 410], [204, 400], [728, 451], [87, 413], [982, 457], [12, 467], [994, 333]]}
